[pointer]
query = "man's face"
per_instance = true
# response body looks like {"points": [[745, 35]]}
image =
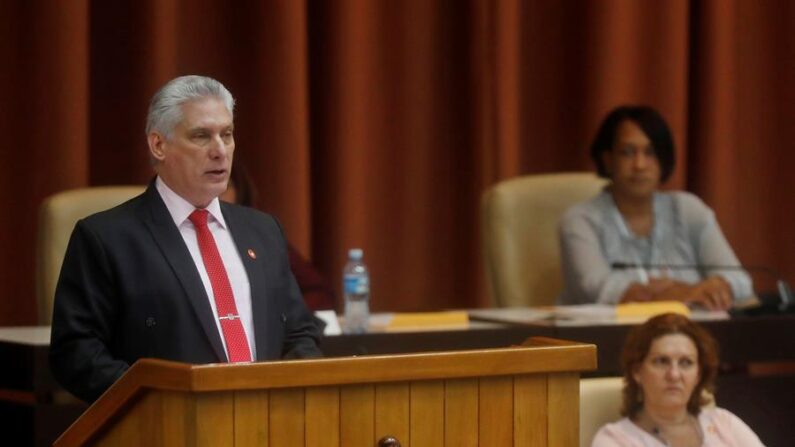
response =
{"points": [[632, 163], [196, 160]]}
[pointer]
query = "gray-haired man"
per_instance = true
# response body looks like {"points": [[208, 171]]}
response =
{"points": [[174, 273]]}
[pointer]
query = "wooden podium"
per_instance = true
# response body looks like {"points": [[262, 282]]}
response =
{"points": [[518, 396]]}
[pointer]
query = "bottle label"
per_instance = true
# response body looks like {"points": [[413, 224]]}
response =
{"points": [[356, 284]]}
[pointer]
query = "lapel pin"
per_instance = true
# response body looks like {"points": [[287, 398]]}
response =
{"points": [[251, 254]]}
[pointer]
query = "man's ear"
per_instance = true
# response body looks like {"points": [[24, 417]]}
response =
{"points": [[156, 142]]}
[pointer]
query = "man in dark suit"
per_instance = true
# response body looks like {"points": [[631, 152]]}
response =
{"points": [[174, 273]]}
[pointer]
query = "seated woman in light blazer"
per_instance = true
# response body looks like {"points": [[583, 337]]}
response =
{"points": [[631, 222]]}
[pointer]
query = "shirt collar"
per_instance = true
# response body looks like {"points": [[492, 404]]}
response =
{"points": [[180, 209]]}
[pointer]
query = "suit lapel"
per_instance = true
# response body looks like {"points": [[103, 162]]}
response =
{"points": [[170, 241], [247, 246]]}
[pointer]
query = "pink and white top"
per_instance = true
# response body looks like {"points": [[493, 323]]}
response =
{"points": [[721, 428]]}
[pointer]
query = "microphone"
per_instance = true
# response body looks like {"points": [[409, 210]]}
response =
{"points": [[785, 302]]}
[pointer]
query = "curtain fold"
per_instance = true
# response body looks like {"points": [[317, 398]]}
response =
{"points": [[44, 123], [379, 124]]}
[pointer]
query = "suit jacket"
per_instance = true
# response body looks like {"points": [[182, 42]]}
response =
{"points": [[129, 289]]}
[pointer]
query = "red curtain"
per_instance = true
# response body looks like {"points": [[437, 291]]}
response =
{"points": [[378, 124]]}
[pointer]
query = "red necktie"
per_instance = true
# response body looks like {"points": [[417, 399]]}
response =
{"points": [[234, 334]]}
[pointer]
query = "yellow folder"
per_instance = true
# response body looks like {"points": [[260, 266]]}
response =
{"points": [[409, 321], [650, 309]]}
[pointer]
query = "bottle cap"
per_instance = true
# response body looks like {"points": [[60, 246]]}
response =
{"points": [[355, 254]]}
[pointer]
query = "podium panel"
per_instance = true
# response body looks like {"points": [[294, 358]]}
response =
{"points": [[520, 396]]}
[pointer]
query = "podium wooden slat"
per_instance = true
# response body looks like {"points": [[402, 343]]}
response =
{"points": [[217, 409], [519, 396], [323, 410], [177, 410], [563, 390], [251, 419], [427, 414], [286, 409], [496, 411], [461, 413], [357, 414], [530, 410], [392, 409]]}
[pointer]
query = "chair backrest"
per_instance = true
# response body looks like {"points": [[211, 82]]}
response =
{"points": [[520, 221], [58, 215], [600, 403]]}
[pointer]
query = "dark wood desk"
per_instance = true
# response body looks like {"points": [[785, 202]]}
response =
{"points": [[742, 340], [34, 410], [766, 403]]}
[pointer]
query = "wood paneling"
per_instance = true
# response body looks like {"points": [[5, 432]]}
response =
{"points": [[496, 412], [494, 398], [179, 418], [564, 409], [323, 417], [357, 415], [427, 414], [133, 428], [567, 356], [151, 417], [530, 410], [286, 410], [252, 414], [392, 406], [461, 413], [215, 413]]}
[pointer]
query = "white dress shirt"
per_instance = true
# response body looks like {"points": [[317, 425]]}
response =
{"points": [[180, 209]]}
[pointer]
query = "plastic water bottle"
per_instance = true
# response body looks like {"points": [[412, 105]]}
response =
{"points": [[356, 287]]}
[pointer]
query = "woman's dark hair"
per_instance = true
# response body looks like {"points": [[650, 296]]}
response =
{"points": [[652, 124], [244, 187], [637, 346]]}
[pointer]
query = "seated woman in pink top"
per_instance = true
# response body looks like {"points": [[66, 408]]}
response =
{"points": [[668, 363]]}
